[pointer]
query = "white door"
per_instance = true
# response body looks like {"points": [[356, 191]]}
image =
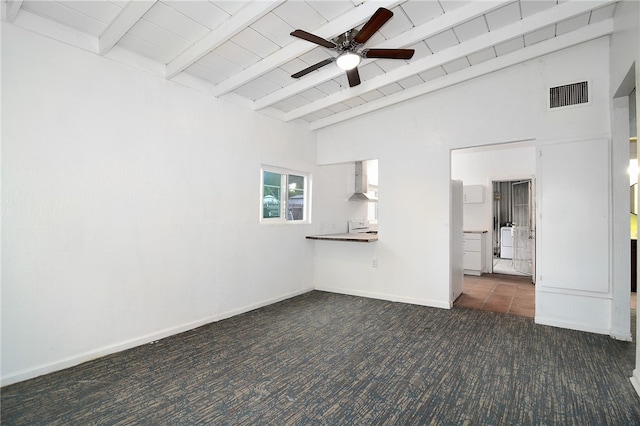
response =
{"points": [[522, 227]]}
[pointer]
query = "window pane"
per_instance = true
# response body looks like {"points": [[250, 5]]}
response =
{"points": [[271, 195], [295, 197]]}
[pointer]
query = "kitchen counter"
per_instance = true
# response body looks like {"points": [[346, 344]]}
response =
{"points": [[352, 237]]}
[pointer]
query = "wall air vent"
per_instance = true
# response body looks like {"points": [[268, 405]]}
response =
{"points": [[569, 94]]}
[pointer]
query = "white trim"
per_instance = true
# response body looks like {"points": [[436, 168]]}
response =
{"points": [[573, 292], [569, 325], [389, 297], [138, 341]]}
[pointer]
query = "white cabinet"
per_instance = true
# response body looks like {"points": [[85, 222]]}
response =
{"points": [[473, 194], [473, 243]]}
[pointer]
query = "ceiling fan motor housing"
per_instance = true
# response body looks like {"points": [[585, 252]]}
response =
{"points": [[345, 43]]}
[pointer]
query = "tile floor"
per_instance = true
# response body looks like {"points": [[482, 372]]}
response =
{"points": [[507, 294]]}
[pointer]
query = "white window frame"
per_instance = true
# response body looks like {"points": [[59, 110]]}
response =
{"points": [[282, 219]]}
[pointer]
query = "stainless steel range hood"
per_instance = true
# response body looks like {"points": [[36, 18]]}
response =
{"points": [[361, 184]]}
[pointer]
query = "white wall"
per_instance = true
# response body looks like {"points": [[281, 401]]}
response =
{"points": [[481, 166], [130, 207], [130, 203], [335, 184], [625, 52], [413, 143], [573, 232]]}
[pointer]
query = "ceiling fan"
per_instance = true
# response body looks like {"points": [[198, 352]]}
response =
{"points": [[347, 46]]}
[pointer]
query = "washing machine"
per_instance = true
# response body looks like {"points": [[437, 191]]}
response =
{"points": [[506, 242]]}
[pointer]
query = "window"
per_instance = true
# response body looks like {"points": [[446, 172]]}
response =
{"points": [[284, 195]]}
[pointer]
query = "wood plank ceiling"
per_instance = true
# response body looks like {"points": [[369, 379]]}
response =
{"points": [[241, 50]]}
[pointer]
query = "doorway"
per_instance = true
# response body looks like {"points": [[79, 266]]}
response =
{"points": [[513, 230], [480, 166]]}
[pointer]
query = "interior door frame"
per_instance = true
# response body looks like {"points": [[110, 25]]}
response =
{"points": [[515, 178]]}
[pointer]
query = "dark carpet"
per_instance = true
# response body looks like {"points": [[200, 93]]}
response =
{"points": [[324, 358]]}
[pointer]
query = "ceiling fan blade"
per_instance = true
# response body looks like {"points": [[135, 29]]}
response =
{"points": [[353, 76], [313, 68], [313, 38], [378, 19], [388, 53]]}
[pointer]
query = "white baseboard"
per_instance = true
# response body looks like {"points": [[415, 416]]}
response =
{"points": [[635, 380], [138, 341], [389, 297], [623, 336]]}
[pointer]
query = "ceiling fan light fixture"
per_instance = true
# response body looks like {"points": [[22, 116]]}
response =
{"points": [[348, 61]]}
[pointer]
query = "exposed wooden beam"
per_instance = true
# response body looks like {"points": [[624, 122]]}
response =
{"points": [[535, 22], [433, 27], [57, 31], [10, 9], [238, 22], [123, 23], [348, 20], [582, 35]]}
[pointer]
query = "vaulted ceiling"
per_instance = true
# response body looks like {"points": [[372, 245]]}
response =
{"points": [[242, 50]]}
